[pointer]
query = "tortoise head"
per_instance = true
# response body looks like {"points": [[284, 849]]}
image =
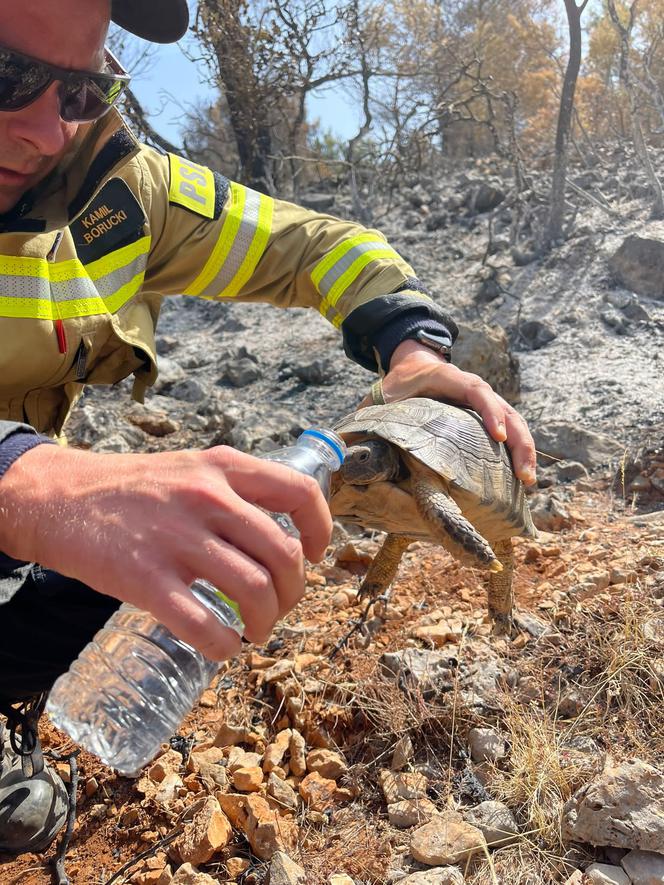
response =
{"points": [[373, 460]]}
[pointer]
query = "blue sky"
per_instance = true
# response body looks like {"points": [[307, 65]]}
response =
{"points": [[173, 83]]}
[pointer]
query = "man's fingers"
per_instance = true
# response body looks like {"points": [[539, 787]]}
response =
{"points": [[522, 447], [173, 605], [513, 430], [262, 543], [280, 489], [470, 390], [505, 425], [247, 582], [313, 520]]}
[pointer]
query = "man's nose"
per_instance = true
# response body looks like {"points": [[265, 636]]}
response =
{"points": [[40, 125]]}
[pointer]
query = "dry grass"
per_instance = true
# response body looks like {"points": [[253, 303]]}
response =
{"points": [[610, 653], [617, 650], [385, 713], [521, 864], [355, 843], [629, 650], [541, 776], [622, 654]]}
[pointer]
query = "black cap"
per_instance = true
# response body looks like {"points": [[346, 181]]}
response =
{"points": [[160, 21]]}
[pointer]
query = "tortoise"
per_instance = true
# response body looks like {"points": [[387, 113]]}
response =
{"points": [[422, 469]]}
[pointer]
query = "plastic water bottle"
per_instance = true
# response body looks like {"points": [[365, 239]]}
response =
{"points": [[133, 684]]}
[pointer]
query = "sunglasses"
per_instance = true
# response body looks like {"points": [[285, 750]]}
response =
{"points": [[84, 95]]}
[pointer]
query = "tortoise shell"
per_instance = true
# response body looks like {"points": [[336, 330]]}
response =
{"points": [[451, 443]]}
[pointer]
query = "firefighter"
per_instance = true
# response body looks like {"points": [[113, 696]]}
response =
{"points": [[96, 230]]}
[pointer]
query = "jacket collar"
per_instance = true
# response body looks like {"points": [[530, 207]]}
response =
{"points": [[98, 150]]}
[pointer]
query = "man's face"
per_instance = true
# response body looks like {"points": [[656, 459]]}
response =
{"points": [[68, 33]]}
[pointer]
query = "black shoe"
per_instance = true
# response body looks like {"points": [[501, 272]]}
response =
{"points": [[33, 798]]}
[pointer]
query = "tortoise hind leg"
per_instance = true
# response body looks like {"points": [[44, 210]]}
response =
{"points": [[384, 567], [500, 594]]}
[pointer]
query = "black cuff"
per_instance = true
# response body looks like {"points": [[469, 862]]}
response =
{"points": [[383, 323]]}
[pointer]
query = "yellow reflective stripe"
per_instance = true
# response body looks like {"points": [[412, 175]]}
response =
{"points": [[62, 271], [223, 245], [192, 186], [72, 269], [242, 241], [125, 293], [38, 268], [341, 267], [62, 290], [349, 276], [336, 254], [118, 259], [33, 308]]}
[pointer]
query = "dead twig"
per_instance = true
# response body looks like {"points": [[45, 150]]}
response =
{"points": [[17, 879], [58, 861], [360, 623], [357, 625], [592, 199], [149, 852]]}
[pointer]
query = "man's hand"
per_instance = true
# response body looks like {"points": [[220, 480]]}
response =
{"points": [[416, 370], [142, 528]]}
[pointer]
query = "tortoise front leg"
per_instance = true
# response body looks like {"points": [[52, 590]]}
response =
{"points": [[378, 578], [501, 595], [449, 526], [453, 531], [383, 569]]}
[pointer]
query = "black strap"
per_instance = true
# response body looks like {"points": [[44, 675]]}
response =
{"points": [[22, 720]]}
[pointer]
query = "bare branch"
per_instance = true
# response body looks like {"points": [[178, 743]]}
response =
{"points": [[141, 122]]}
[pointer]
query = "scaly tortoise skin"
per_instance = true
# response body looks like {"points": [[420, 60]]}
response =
{"points": [[420, 469]]}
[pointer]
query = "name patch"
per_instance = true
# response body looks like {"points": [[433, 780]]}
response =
{"points": [[112, 220]]}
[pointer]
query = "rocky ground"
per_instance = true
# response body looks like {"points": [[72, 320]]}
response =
{"points": [[426, 751]]}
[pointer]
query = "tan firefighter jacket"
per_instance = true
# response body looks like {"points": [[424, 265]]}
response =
{"points": [[118, 226]]}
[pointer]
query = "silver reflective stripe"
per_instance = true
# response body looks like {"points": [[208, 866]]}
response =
{"points": [[342, 265], [110, 283], [75, 289], [25, 287], [240, 248]]}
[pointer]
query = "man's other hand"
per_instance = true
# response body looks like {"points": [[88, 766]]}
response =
{"points": [[416, 370]]}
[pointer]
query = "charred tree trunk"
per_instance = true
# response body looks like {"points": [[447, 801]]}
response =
{"points": [[554, 228], [228, 41], [625, 33], [361, 209]]}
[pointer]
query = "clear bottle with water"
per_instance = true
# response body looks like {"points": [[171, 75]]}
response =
{"points": [[133, 684]]}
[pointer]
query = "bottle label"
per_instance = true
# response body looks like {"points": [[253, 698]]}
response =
{"points": [[231, 603]]}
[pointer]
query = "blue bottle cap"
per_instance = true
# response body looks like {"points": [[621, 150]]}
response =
{"points": [[330, 440]]}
